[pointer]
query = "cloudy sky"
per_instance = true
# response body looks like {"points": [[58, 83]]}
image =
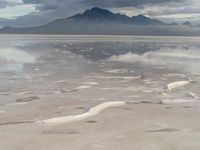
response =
{"points": [[37, 12]]}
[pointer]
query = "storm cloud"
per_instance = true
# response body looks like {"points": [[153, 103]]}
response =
{"points": [[8, 3], [53, 4]]}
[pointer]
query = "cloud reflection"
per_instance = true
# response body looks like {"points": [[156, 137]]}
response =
{"points": [[13, 54], [13, 60], [177, 58]]}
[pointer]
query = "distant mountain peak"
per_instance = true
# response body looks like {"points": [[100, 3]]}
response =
{"points": [[144, 20], [98, 9], [94, 13], [141, 15], [99, 14], [7, 27], [187, 23], [174, 23]]}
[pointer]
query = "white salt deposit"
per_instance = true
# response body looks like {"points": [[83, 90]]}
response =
{"points": [[91, 83], [116, 77], [92, 112], [2, 112], [61, 81], [180, 101], [116, 71], [16, 104], [177, 84], [82, 87]]}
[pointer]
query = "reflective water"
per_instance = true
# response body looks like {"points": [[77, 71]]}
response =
{"points": [[35, 61]]}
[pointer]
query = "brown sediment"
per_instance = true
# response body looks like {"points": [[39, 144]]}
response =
{"points": [[163, 130], [27, 99], [60, 131]]}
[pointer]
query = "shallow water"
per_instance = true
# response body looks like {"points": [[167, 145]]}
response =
{"points": [[53, 64]]}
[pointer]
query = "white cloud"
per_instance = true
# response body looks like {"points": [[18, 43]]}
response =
{"points": [[11, 12]]}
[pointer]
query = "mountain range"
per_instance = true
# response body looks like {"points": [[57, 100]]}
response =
{"points": [[99, 15], [102, 21]]}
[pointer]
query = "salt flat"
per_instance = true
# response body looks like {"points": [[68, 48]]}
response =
{"points": [[113, 88]]}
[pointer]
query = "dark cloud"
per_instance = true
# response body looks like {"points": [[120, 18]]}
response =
{"points": [[47, 10], [57, 8], [43, 5], [49, 4], [65, 8], [5, 3], [129, 3]]}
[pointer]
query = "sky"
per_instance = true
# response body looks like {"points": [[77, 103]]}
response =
{"points": [[37, 12]]}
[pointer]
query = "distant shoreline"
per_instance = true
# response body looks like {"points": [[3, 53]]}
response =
{"points": [[102, 35]]}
